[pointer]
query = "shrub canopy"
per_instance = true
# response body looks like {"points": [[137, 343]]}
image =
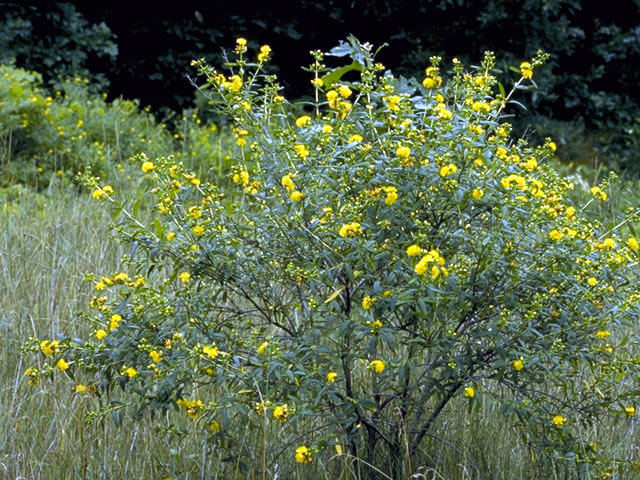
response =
{"points": [[389, 252]]}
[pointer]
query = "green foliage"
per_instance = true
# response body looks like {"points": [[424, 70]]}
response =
{"points": [[57, 40], [74, 130], [388, 254], [69, 131]]}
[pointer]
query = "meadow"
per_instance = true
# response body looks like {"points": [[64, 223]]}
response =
{"points": [[60, 236]]}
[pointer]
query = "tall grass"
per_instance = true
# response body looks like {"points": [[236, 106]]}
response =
{"points": [[48, 242]]}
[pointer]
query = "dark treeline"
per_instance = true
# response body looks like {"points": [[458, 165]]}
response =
{"points": [[588, 95]]}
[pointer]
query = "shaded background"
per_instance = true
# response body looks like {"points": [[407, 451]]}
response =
{"points": [[588, 97]]}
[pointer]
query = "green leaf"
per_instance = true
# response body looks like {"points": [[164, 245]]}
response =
{"points": [[334, 295], [336, 74]]}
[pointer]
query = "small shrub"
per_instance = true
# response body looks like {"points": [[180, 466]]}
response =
{"points": [[74, 130], [68, 131], [389, 251]]}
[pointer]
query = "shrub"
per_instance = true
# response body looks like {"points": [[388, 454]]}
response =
{"points": [[390, 252], [68, 131], [73, 130]]}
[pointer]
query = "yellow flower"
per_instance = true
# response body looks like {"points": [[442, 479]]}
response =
{"points": [[443, 112], [115, 321], [130, 372], [403, 152], [531, 164], [303, 121], [556, 235], [344, 91], [281, 412], [287, 181], [185, 277], [265, 52], [414, 250], [148, 167], [630, 411], [559, 420], [62, 364], [597, 192], [214, 427], [449, 169], [192, 407], [156, 356], [526, 70], [198, 230], [510, 180], [121, 277], [171, 236], [355, 138], [33, 376], [262, 347], [432, 257], [303, 455], [350, 230], [469, 392], [235, 84], [194, 212], [241, 45], [632, 243], [421, 266], [378, 366], [331, 377], [592, 281], [100, 334], [301, 150], [481, 107], [99, 193], [327, 129], [296, 196], [392, 195], [367, 302], [435, 272], [49, 348], [432, 82], [477, 194], [80, 388], [517, 365], [603, 334], [393, 102], [211, 351], [609, 243]]}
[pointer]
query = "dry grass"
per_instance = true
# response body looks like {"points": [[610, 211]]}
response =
{"points": [[47, 243]]}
